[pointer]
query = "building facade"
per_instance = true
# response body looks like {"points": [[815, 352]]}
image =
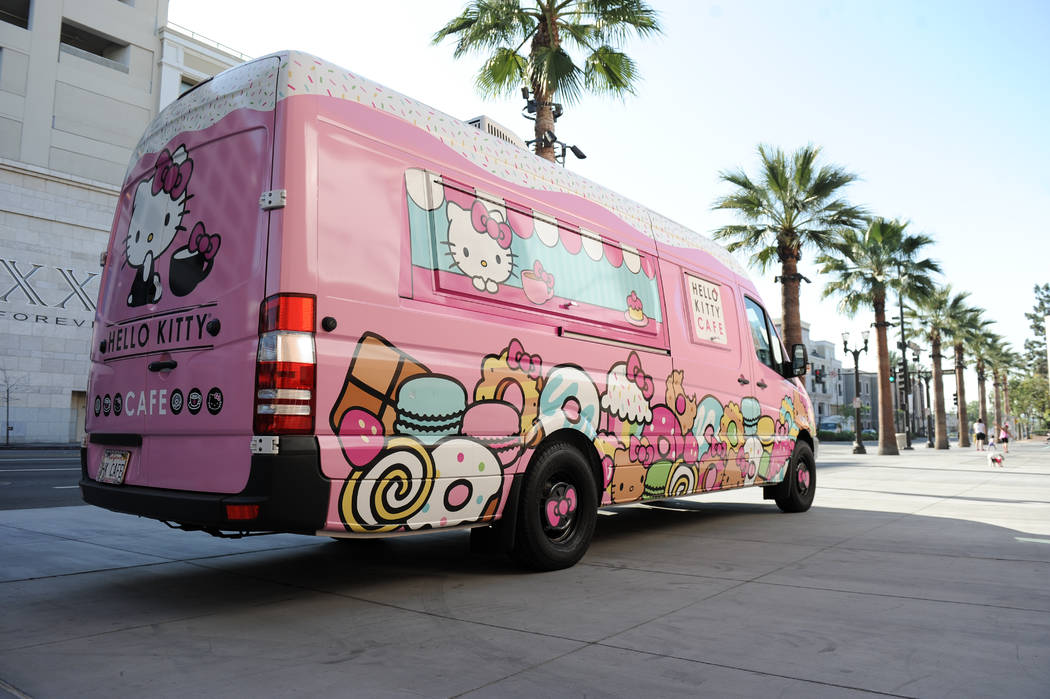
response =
{"points": [[823, 380], [79, 82], [869, 396]]}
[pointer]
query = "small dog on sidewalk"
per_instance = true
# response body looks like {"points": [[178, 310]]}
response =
{"points": [[995, 458]]}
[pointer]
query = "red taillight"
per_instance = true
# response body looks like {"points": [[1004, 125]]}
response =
{"points": [[295, 312], [242, 512], [286, 367]]}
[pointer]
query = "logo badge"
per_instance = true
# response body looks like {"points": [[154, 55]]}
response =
{"points": [[194, 401], [98, 405], [214, 400], [118, 403], [175, 402], [107, 404]]}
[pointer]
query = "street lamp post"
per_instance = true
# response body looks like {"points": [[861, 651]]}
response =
{"points": [[858, 445], [904, 367], [926, 375]]}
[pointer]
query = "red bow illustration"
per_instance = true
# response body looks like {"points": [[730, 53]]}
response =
{"points": [[639, 377], [641, 452], [200, 241], [169, 177], [484, 223], [518, 358]]}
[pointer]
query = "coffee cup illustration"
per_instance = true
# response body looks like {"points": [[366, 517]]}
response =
{"points": [[537, 283], [193, 262]]}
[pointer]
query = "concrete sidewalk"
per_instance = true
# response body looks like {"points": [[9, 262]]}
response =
{"points": [[922, 575]]}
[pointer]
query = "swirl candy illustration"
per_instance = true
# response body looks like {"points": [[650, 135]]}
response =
{"points": [[383, 497]]}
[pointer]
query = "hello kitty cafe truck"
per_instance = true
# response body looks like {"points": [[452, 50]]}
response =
{"points": [[329, 309]]}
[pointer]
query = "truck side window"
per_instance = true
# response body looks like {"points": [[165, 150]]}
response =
{"points": [[775, 344], [756, 318]]}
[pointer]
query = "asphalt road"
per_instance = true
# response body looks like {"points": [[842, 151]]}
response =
{"points": [[31, 478], [923, 575]]}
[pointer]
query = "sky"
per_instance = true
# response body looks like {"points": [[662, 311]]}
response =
{"points": [[940, 108]]}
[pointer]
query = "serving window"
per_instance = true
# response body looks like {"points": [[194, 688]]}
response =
{"points": [[476, 246]]}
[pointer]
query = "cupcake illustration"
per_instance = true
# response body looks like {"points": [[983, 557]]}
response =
{"points": [[628, 390], [634, 314], [537, 283]]}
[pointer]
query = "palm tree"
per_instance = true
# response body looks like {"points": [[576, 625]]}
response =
{"points": [[793, 206], [937, 313], [963, 330], [984, 346], [501, 28], [1002, 359], [864, 266]]}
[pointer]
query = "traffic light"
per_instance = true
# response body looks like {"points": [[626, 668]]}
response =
{"points": [[893, 377], [955, 399]]}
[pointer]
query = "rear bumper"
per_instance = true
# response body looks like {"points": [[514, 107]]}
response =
{"points": [[289, 488]]}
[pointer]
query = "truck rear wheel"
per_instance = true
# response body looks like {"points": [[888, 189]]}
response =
{"points": [[558, 509]]}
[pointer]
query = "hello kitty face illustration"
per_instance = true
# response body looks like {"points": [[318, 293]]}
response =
{"points": [[479, 242], [156, 218]]}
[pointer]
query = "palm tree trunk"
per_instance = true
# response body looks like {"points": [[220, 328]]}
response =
{"points": [[545, 36], [544, 123], [982, 396], [998, 401], [790, 282], [887, 440], [960, 390], [940, 433]]}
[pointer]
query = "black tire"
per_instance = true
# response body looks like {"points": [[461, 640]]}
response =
{"points": [[795, 493], [559, 475]]}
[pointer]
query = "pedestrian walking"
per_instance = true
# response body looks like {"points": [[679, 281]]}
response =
{"points": [[1004, 437], [980, 434]]}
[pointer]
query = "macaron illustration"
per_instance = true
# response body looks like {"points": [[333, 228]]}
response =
{"points": [[497, 425], [430, 407]]}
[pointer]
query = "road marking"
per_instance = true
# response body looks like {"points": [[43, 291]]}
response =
{"points": [[1033, 541], [35, 470], [62, 487]]}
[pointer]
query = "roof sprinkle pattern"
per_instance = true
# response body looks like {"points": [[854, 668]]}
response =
{"points": [[303, 74]]}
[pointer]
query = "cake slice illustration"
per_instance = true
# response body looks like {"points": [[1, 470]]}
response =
{"points": [[635, 315]]}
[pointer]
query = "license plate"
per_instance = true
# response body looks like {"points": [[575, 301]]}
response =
{"points": [[114, 466]]}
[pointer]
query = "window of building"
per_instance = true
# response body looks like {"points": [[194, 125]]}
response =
{"points": [[94, 47], [186, 84], [15, 12]]}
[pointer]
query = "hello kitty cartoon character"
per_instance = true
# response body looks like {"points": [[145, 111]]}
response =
{"points": [[479, 241], [156, 218]]}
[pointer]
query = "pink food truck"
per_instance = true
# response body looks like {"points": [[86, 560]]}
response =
{"points": [[329, 309]]}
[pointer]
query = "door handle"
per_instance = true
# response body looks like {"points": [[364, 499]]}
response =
{"points": [[762, 384], [163, 365], [742, 381]]}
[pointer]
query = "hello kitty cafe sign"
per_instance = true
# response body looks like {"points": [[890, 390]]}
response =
{"points": [[709, 321]]}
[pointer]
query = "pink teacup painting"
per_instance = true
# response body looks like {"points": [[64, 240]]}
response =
{"points": [[538, 284]]}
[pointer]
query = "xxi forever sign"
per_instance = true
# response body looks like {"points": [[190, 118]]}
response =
{"points": [[40, 286]]}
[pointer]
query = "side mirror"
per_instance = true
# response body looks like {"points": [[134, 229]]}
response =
{"points": [[799, 360]]}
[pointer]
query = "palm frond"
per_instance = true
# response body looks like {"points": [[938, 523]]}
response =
{"points": [[607, 70], [502, 73], [616, 20]]}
